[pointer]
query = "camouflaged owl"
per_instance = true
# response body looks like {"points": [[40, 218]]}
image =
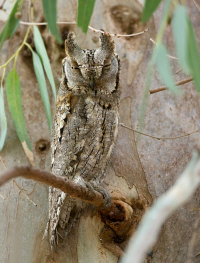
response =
{"points": [[85, 126]]}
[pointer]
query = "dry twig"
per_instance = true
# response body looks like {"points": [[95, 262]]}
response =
{"points": [[158, 138], [178, 71], [2, 4], [167, 55], [91, 28], [198, 7], [65, 185], [22, 191], [117, 217], [179, 83]]}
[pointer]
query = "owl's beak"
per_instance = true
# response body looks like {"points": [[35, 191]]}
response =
{"points": [[92, 82]]}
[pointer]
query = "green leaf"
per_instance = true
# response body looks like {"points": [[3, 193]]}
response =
{"points": [[50, 12], [11, 25], [85, 10], [13, 91], [149, 7], [163, 67], [186, 45], [41, 50], [180, 32], [2, 120], [193, 56], [39, 72]]}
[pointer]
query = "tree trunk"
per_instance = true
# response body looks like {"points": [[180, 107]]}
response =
{"points": [[140, 167]]}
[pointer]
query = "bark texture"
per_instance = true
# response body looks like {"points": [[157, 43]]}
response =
{"points": [[140, 167]]}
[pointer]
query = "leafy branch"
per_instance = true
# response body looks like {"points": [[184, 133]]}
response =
{"points": [[40, 63]]}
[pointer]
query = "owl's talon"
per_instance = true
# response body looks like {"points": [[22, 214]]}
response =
{"points": [[90, 187], [106, 196]]}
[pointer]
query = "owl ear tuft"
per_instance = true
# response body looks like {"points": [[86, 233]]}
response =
{"points": [[106, 49], [72, 49]]}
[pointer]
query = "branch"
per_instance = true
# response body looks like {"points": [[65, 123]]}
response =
{"points": [[2, 4], [158, 138], [198, 7], [91, 28], [150, 225], [118, 217], [65, 185], [167, 55], [178, 71], [177, 84]]}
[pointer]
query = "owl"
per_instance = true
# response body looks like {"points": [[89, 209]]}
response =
{"points": [[85, 126]]}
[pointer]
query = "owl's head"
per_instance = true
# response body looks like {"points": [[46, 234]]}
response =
{"points": [[90, 63]]}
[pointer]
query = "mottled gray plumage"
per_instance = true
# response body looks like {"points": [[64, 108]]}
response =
{"points": [[85, 126]]}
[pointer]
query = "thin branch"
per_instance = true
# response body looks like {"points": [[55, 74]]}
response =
{"points": [[3, 163], [22, 191], [179, 83], [198, 7], [18, 50], [44, 23], [149, 228], [156, 44], [118, 35], [65, 185], [91, 28], [2, 197], [178, 71], [155, 137], [1, 7]]}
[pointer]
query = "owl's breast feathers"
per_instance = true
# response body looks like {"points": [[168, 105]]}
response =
{"points": [[84, 131]]}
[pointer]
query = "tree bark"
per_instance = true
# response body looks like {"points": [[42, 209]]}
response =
{"points": [[140, 168]]}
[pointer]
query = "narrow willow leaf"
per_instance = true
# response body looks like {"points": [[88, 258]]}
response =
{"points": [[180, 32], [193, 56], [163, 67], [11, 25], [186, 45], [85, 10], [50, 12], [149, 7], [13, 91], [28, 153], [41, 50], [39, 72], [3, 120]]}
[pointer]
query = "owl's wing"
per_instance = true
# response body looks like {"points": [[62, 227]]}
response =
{"points": [[60, 121], [58, 165], [66, 144]]}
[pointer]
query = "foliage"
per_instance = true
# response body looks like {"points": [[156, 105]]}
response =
{"points": [[186, 48], [11, 24], [2, 119], [85, 9], [41, 50], [13, 91], [149, 7], [50, 11], [39, 72]]}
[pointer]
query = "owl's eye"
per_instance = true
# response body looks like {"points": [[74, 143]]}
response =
{"points": [[74, 64], [107, 67]]}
